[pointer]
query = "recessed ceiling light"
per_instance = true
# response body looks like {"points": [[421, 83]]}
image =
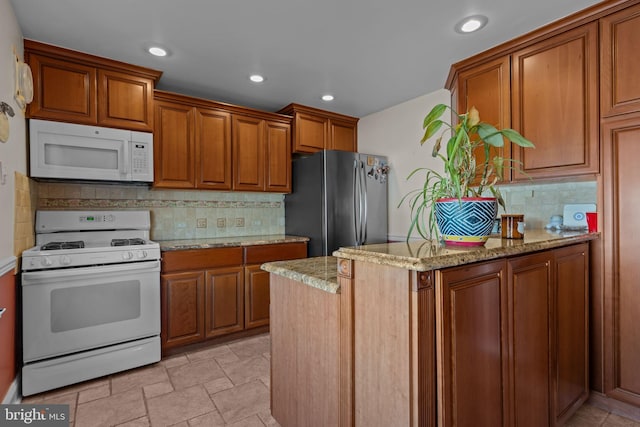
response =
{"points": [[157, 51], [327, 97], [471, 24], [256, 78]]}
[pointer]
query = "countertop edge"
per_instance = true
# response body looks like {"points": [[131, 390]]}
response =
{"points": [[322, 276], [453, 260], [225, 242]]}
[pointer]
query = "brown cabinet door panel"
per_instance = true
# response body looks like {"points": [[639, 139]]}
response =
{"points": [[473, 360], [174, 146], [7, 331], [621, 143], [620, 84], [343, 135], [256, 294], [125, 101], [555, 105], [248, 153], [182, 299], [488, 88], [63, 91], [278, 157], [213, 149], [529, 287], [224, 301], [572, 328], [311, 133]]}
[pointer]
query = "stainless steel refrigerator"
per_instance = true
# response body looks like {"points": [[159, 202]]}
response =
{"points": [[338, 199]]}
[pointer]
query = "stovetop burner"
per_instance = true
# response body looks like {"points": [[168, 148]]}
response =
{"points": [[127, 242], [52, 246]]}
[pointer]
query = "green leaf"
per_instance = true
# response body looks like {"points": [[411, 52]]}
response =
{"points": [[435, 113], [432, 128], [516, 138], [490, 135]]}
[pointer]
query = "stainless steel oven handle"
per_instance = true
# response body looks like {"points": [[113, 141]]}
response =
{"points": [[2, 311], [102, 270]]}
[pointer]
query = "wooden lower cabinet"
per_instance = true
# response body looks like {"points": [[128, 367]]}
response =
{"points": [[208, 293], [256, 296], [7, 332], [515, 332]]}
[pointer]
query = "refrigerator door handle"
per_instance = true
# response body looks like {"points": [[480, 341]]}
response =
{"points": [[356, 201], [365, 203]]}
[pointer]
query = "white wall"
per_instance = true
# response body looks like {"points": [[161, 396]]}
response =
{"points": [[13, 152], [396, 133]]}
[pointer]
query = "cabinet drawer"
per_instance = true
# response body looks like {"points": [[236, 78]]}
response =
{"points": [[195, 259], [276, 252]]}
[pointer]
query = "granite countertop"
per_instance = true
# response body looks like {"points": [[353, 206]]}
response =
{"points": [[219, 242], [318, 272], [427, 255]]}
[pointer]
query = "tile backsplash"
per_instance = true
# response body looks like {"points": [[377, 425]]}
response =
{"points": [[175, 214], [538, 202]]}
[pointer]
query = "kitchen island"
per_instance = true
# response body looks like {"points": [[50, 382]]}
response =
{"points": [[415, 333]]}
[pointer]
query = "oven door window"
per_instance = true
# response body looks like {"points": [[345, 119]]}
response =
{"points": [[87, 306], [71, 310]]}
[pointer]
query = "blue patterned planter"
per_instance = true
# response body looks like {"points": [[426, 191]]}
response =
{"points": [[466, 222]]}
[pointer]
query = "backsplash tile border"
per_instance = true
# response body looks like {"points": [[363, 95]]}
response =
{"points": [[67, 203]]}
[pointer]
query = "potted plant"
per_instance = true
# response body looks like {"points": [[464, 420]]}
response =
{"points": [[452, 204]]}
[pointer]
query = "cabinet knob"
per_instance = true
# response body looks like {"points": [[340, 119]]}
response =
{"points": [[2, 311]]}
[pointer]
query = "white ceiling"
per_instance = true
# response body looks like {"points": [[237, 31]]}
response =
{"points": [[370, 54]]}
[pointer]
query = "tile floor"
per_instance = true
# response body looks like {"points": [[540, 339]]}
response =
{"points": [[223, 385]]}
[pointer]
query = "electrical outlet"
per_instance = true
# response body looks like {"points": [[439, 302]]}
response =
{"points": [[221, 222], [239, 222], [201, 222]]}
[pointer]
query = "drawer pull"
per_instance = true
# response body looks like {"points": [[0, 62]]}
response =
{"points": [[2, 310]]}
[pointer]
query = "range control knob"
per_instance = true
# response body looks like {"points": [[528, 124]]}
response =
{"points": [[65, 260], [142, 254], [127, 255], [46, 261]]}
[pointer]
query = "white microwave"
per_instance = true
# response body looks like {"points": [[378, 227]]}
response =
{"points": [[81, 152]]}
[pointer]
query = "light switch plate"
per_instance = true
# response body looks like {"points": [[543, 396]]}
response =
{"points": [[575, 215]]}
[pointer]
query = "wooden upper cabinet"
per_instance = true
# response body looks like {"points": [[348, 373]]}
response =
{"points": [[174, 146], [278, 157], [620, 62], [488, 88], [315, 129], [248, 153], [311, 133], [125, 101], [63, 90], [213, 149], [343, 135], [555, 104], [80, 88]]}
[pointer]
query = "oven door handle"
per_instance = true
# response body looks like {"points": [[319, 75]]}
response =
{"points": [[102, 270]]}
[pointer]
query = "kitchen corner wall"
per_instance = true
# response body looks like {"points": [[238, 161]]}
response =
{"points": [[175, 214]]}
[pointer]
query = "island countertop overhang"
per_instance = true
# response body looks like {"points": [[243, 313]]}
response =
{"points": [[428, 255]]}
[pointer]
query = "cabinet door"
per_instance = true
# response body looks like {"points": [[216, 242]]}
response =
{"points": [[174, 146], [248, 153], [7, 331], [488, 88], [311, 133], [571, 267], [256, 297], [278, 157], [125, 101], [620, 62], [182, 299], [213, 149], [530, 352], [621, 148], [473, 359], [555, 105], [63, 91], [224, 301], [343, 135]]}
